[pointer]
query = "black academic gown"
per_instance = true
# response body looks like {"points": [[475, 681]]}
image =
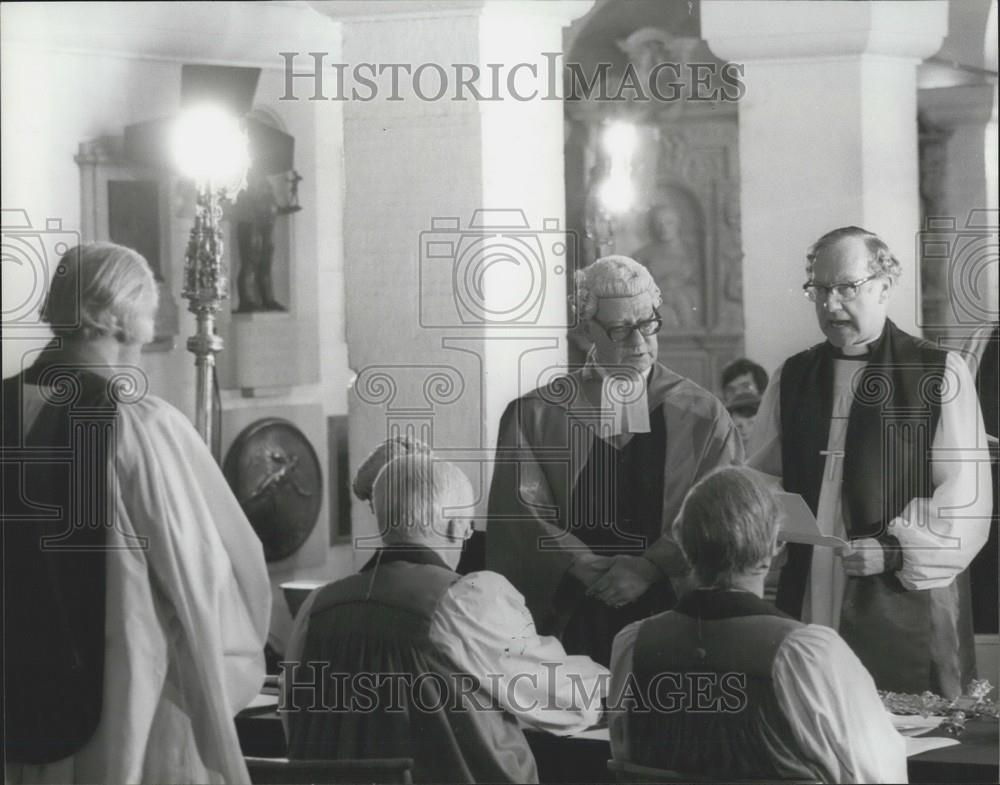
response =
{"points": [[538, 519]]}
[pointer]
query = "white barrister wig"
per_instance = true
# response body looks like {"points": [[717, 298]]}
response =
{"points": [[610, 276]]}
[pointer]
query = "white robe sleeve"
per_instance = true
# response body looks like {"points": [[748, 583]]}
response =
{"points": [[834, 711], [942, 534], [484, 627], [207, 568], [764, 450]]}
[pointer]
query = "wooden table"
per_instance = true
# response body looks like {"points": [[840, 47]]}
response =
{"points": [[976, 759], [585, 760]]}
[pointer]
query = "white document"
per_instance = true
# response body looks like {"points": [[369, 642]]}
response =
{"points": [[796, 522], [913, 724], [594, 734], [264, 701], [918, 744], [914, 745]]}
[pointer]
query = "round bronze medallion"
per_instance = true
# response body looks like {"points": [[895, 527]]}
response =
{"points": [[275, 475]]}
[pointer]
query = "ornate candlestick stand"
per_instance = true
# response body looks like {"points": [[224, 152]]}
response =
{"points": [[206, 286]]}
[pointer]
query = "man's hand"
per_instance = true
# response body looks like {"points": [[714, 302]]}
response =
{"points": [[627, 580], [589, 567], [863, 557]]}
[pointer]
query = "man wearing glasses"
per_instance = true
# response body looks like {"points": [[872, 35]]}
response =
{"points": [[882, 434], [592, 468]]}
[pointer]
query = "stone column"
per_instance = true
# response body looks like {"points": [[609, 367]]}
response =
{"points": [[454, 220], [965, 118], [828, 138]]}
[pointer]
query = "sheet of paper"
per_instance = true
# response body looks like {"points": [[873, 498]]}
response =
{"points": [[798, 524], [912, 724], [262, 701], [917, 744], [593, 734]]}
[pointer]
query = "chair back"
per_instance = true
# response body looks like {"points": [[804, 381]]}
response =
{"points": [[633, 772], [282, 771]]}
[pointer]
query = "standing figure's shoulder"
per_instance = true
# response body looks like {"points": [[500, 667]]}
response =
{"points": [[932, 354], [678, 391], [152, 411], [150, 420], [486, 587], [560, 391], [805, 354]]}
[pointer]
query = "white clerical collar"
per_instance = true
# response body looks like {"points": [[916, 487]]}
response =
{"points": [[624, 404]]}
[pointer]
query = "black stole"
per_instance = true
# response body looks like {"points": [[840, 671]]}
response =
{"points": [[887, 460], [56, 511]]}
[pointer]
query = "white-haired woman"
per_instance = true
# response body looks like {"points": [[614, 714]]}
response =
{"points": [[136, 607], [592, 468], [728, 686]]}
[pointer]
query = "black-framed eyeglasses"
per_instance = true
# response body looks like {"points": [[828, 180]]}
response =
{"points": [[845, 292], [620, 333]]}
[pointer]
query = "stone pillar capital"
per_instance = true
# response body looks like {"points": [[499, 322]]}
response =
{"points": [[748, 30], [561, 11]]}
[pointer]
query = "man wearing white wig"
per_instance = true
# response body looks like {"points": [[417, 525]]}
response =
{"points": [[592, 468], [136, 607]]}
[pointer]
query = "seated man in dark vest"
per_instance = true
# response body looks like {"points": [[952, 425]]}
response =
{"points": [[728, 686], [882, 435], [408, 659]]}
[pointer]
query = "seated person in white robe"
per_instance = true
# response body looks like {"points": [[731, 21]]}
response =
{"points": [[408, 659], [728, 686], [136, 611]]}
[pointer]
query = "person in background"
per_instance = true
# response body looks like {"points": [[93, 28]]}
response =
{"points": [[754, 694], [743, 409], [591, 469], [135, 614], [882, 435], [743, 377], [455, 661]]}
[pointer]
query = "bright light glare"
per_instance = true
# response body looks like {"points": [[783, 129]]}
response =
{"points": [[620, 139], [210, 146], [616, 194]]}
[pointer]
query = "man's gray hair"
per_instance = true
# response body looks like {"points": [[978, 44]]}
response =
{"points": [[881, 260], [727, 525], [99, 289], [610, 276], [415, 494]]}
